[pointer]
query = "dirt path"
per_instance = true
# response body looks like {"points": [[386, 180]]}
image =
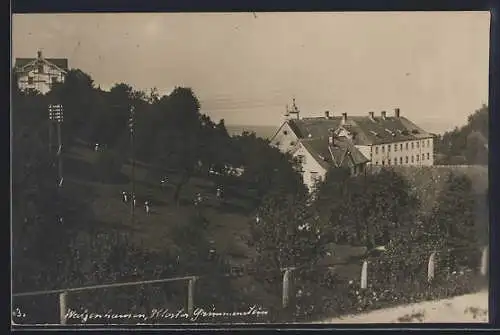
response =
{"points": [[470, 308]]}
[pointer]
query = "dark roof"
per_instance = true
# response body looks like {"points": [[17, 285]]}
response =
{"points": [[344, 153], [366, 130], [59, 62]]}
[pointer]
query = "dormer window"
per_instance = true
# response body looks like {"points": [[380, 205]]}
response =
{"points": [[414, 131]]}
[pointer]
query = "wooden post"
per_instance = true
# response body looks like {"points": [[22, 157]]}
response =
{"points": [[364, 275], [431, 267], [484, 261], [190, 302], [63, 307], [286, 287]]}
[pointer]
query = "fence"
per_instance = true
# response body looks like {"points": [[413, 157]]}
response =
{"points": [[63, 293], [385, 281], [432, 268]]}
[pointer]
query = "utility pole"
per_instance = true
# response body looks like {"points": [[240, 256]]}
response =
{"points": [[131, 125], [56, 117]]}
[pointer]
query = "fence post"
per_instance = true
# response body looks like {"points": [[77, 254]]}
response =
{"points": [[190, 302], [484, 261], [286, 287], [364, 275], [63, 307], [431, 267]]}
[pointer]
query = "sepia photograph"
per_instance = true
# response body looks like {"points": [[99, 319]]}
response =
{"points": [[249, 168]]}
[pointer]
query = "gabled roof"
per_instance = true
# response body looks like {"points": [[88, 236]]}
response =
{"points": [[341, 154], [366, 131], [61, 63]]}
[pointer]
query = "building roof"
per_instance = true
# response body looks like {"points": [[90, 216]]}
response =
{"points": [[366, 131], [59, 62], [341, 154]]}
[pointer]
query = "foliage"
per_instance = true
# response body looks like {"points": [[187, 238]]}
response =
{"points": [[468, 142], [266, 169], [369, 210], [286, 234]]}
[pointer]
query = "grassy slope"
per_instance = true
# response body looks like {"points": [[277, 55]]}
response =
{"points": [[228, 223]]}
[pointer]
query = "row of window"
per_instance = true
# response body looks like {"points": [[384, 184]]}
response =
{"points": [[400, 145], [407, 160], [54, 79]]}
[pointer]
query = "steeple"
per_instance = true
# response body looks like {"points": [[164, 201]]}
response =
{"points": [[295, 109]]}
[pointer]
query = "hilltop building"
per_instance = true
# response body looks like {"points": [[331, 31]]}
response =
{"points": [[354, 142], [40, 73]]}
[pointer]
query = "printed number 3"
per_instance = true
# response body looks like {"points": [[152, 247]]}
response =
{"points": [[18, 314]]}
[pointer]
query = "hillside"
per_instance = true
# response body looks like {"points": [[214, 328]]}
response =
{"points": [[428, 182]]}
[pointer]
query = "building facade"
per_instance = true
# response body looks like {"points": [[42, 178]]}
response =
{"points": [[40, 73], [370, 140]]}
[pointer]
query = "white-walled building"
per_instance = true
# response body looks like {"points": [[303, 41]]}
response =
{"points": [[377, 140], [40, 73]]}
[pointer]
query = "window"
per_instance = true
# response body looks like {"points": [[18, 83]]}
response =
{"points": [[40, 68], [418, 145], [388, 162], [54, 79], [383, 149], [30, 80], [412, 145], [412, 159], [376, 150], [301, 159], [428, 143], [314, 176], [395, 147], [407, 146], [376, 163], [423, 157], [389, 148], [401, 147], [383, 162], [285, 132], [418, 157], [400, 160], [428, 156], [406, 159]]}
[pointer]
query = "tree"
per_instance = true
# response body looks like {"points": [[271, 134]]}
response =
{"points": [[367, 210], [467, 144], [266, 170], [286, 234], [178, 145]]}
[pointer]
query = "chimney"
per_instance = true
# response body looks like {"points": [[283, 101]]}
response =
{"points": [[327, 114], [344, 118], [396, 112], [372, 115], [39, 53], [383, 114]]}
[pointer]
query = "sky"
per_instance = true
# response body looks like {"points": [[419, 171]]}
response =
{"points": [[247, 67]]}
